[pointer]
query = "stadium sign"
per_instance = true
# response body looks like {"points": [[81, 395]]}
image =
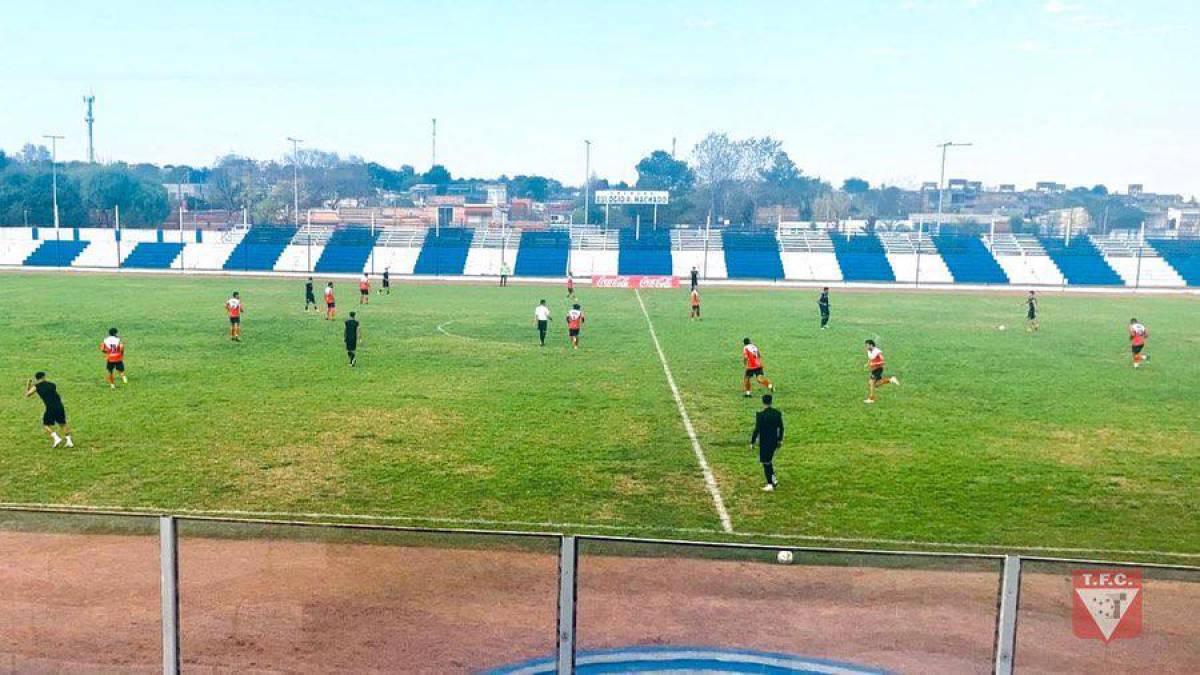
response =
{"points": [[611, 197], [634, 281]]}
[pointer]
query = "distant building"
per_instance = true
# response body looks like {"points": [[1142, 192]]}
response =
{"points": [[929, 186], [188, 190], [1185, 220], [1047, 186], [1006, 187], [497, 194], [1056, 221], [521, 209], [771, 215], [1136, 189]]}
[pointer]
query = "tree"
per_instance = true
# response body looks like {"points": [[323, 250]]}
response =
{"points": [[716, 160], [831, 207], [787, 185], [439, 176], [33, 154], [1100, 190], [660, 171], [855, 186], [4, 161], [537, 188]]}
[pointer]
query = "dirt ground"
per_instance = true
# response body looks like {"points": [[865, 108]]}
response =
{"points": [[75, 604]]}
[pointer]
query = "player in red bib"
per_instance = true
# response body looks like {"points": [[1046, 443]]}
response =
{"points": [[364, 289], [113, 349], [695, 299], [330, 305], [234, 306], [1137, 341], [575, 319], [754, 367], [875, 365]]}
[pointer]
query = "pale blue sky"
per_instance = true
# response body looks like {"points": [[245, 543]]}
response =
{"points": [[1081, 91]]}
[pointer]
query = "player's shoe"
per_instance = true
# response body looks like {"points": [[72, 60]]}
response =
{"points": [[70, 443], [57, 442], [770, 387], [768, 488], [124, 380], [894, 380], [746, 394], [868, 400]]}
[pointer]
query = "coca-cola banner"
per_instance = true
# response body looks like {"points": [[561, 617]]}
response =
{"points": [[633, 281]]}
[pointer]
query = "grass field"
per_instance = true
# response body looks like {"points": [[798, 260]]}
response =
{"points": [[994, 438]]}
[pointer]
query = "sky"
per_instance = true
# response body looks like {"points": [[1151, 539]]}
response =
{"points": [[1082, 92]]}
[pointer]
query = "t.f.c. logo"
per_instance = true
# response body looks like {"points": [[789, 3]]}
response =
{"points": [[1107, 604]]}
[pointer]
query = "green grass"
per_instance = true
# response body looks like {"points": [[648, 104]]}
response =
{"points": [[995, 438]]}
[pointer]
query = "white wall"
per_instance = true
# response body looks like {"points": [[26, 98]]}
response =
{"points": [[588, 263], [933, 268], [15, 251], [103, 253], [483, 261], [1030, 269], [804, 266], [683, 261], [298, 258], [1154, 271], [399, 260]]}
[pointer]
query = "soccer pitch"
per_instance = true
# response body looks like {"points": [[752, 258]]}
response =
{"points": [[455, 415]]}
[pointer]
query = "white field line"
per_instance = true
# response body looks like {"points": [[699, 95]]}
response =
{"points": [[557, 526], [441, 328], [709, 479]]}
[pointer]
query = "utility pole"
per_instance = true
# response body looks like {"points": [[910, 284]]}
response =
{"points": [[54, 175], [90, 119], [672, 147], [433, 153], [587, 181], [295, 180]]}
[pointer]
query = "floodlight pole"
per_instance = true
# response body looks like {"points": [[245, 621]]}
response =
{"points": [[941, 196], [587, 180], [295, 180], [54, 176]]}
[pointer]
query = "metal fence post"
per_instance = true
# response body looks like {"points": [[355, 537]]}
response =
{"points": [[1006, 618], [568, 564], [169, 561]]}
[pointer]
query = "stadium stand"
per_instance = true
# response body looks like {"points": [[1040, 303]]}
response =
{"points": [[1137, 263], [56, 253], [1182, 255], [752, 255], [153, 255], [260, 249], [347, 250], [1080, 262], [543, 254], [594, 250], [649, 254], [444, 252], [861, 257], [807, 255], [969, 260], [700, 249], [914, 258], [1023, 259]]}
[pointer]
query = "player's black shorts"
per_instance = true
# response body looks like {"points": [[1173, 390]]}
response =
{"points": [[573, 332], [118, 366], [330, 305], [754, 372], [877, 374], [1137, 349], [309, 297], [364, 291], [235, 320], [386, 283], [1031, 316], [54, 416], [542, 325]]}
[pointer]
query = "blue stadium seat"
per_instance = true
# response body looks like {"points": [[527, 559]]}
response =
{"points": [[1081, 262], [1183, 255], [543, 254], [347, 251], [261, 247], [969, 260], [861, 257], [651, 254], [752, 255], [444, 253], [153, 255], [55, 253]]}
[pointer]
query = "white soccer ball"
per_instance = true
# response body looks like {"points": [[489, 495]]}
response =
{"points": [[1001, 327], [784, 557]]}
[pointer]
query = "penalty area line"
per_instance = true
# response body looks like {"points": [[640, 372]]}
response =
{"points": [[710, 480]]}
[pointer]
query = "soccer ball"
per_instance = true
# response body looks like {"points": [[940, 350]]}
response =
{"points": [[1001, 327], [784, 557]]}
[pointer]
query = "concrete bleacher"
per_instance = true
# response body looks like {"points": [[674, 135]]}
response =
{"points": [[1081, 262], [1135, 262], [649, 253], [153, 255], [444, 252], [55, 253], [543, 254], [1023, 259], [347, 251], [752, 255], [914, 258], [260, 248], [1182, 255], [807, 254], [699, 248], [861, 257], [969, 259]]}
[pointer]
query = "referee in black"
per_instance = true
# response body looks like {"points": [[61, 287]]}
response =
{"points": [[309, 298], [768, 433], [823, 305], [353, 333]]}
